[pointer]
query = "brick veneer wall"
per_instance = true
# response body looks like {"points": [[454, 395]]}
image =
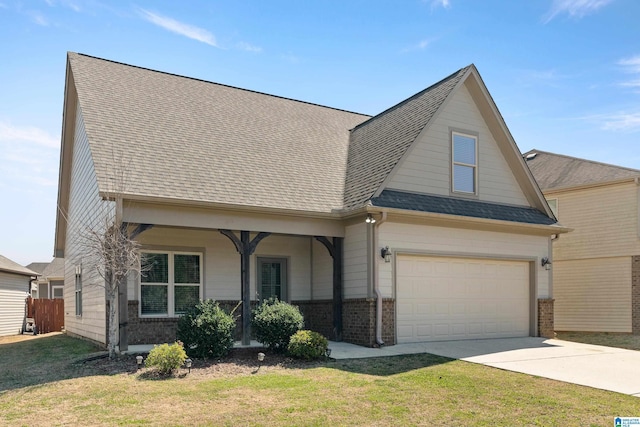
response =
{"points": [[545, 318], [359, 321], [318, 316], [635, 295]]}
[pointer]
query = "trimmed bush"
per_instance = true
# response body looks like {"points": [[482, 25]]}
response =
{"points": [[307, 345], [166, 358], [273, 323], [206, 330]]}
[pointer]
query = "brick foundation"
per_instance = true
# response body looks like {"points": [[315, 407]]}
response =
{"points": [[318, 316], [635, 295], [359, 321], [545, 318]]}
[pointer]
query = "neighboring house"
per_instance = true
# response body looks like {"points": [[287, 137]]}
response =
{"points": [[14, 290], [50, 281], [596, 268], [421, 223]]}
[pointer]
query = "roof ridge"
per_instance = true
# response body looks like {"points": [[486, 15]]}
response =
{"points": [[595, 162], [222, 84], [414, 96]]}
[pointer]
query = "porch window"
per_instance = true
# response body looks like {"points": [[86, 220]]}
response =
{"points": [[170, 283]]}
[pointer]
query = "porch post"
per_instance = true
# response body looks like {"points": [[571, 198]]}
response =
{"points": [[245, 247], [335, 250], [123, 297]]}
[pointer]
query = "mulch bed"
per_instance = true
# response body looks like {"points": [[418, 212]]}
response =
{"points": [[240, 361]]}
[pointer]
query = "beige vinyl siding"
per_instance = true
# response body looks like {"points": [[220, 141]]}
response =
{"points": [[604, 219], [427, 168], [13, 292], [222, 261], [322, 279], [425, 239], [87, 211], [593, 295], [355, 262]]}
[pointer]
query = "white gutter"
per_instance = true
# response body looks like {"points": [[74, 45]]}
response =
{"points": [[376, 279]]}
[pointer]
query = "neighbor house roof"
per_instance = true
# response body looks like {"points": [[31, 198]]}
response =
{"points": [[55, 269], [13, 267], [186, 139], [556, 171], [378, 144], [38, 267]]}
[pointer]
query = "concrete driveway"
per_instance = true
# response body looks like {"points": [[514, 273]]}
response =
{"points": [[595, 366]]}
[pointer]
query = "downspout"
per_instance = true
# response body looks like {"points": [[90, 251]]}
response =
{"points": [[376, 280]]}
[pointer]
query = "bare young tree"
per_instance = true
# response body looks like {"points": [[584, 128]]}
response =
{"points": [[114, 255]]}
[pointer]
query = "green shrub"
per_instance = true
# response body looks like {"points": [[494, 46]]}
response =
{"points": [[206, 330], [166, 358], [307, 345], [273, 323]]}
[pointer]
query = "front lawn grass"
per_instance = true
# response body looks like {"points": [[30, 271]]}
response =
{"points": [[402, 391], [628, 341]]}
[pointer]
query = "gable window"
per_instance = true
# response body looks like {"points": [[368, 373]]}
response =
{"points": [[553, 204], [170, 282], [464, 149]]}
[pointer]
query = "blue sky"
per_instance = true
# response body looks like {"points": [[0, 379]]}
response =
{"points": [[565, 74]]}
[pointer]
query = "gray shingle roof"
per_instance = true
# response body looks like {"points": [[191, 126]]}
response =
{"points": [[378, 144], [55, 268], [187, 139], [460, 207], [558, 171], [13, 267], [38, 267]]}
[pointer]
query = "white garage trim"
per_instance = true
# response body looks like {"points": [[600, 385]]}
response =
{"points": [[524, 270]]}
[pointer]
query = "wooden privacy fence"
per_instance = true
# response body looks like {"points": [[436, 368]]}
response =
{"points": [[48, 314]]}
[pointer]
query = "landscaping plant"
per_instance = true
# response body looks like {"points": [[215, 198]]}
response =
{"points": [[206, 330], [273, 323], [307, 345], [166, 358]]}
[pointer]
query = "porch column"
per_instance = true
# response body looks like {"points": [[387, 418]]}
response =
{"points": [[335, 250], [245, 247], [123, 298]]}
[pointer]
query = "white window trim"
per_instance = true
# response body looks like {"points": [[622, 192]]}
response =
{"points": [[171, 283], [53, 289], [474, 166], [78, 290]]}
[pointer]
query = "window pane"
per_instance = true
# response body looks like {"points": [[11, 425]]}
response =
{"points": [[463, 178], [154, 299], [187, 268], [186, 297], [464, 149], [155, 268]]}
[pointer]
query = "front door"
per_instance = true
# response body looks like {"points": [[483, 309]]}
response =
{"points": [[272, 278]]}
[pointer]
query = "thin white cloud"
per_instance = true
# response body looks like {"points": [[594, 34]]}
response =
{"points": [[10, 133], [248, 47], [421, 45], [446, 4], [574, 8], [38, 18], [631, 66], [290, 57], [186, 30], [73, 5], [626, 122]]}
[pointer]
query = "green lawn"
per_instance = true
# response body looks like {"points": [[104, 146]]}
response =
{"points": [[628, 341], [40, 386]]}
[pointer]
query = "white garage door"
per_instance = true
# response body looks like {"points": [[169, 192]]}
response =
{"points": [[441, 298]]}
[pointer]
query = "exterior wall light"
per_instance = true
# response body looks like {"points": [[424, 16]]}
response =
{"points": [[386, 254], [370, 219], [545, 263]]}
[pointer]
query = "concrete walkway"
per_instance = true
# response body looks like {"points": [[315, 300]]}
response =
{"points": [[606, 368]]}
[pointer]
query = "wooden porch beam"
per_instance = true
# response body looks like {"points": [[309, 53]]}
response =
{"points": [[245, 247], [335, 249]]}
